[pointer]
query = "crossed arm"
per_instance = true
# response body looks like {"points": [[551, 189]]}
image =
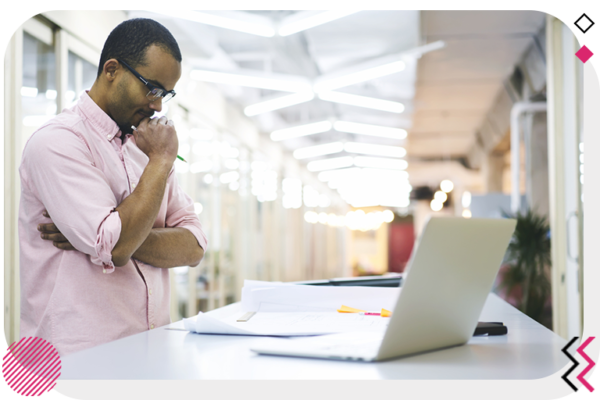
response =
{"points": [[163, 247], [159, 247]]}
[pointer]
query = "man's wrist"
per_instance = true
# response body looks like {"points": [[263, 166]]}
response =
{"points": [[161, 163]]}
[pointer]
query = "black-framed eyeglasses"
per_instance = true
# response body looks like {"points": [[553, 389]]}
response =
{"points": [[155, 91]]}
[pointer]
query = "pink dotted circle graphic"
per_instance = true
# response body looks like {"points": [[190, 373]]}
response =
{"points": [[31, 366]]}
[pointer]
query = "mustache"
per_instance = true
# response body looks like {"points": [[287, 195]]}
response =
{"points": [[149, 115]]}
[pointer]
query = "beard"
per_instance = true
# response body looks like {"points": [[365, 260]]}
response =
{"points": [[123, 109]]}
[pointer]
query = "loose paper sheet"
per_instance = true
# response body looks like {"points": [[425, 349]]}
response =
{"points": [[296, 310]]}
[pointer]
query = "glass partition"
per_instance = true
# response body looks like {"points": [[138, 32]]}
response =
{"points": [[38, 92]]}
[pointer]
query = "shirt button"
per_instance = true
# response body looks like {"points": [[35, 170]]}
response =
{"points": [[108, 137], [150, 291], [133, 185], [103, 271], [152, 326]]}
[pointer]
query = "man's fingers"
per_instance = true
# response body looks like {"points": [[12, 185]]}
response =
{"points": [[58, 240], [63, 245], [170, 122], [48, 228], [161, 120], [55, 237], [45, 214]]}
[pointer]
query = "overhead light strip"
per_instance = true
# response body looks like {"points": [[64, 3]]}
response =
{"points": [[372, 69], [350, 147], [352, 173], [359, 161], [301, 130], [304, 20], [362, 101], [341, 126], [327, 84], [278, 103], [375, 162], [235, 20], [369, 130], [330, 163], [375, 149], [285, 83], [319, 150]]}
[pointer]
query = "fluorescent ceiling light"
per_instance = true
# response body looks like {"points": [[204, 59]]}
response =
{"points": [[370, 184], [375, 149], [362, 101], [319, 150], [370, 130], [234, 20], [302, 130], [325, 83], [374, 162], [371, 69], [277, 103], [378, 198], [326, 176], [426, 48], [372, 173], [389, 173], [304, 20], [250, 78], [330, 163], [383, 200]]}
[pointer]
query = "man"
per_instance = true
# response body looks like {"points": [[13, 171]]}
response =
{"points": [[106, 200]]}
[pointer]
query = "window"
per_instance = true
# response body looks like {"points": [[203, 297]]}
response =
{"points": [[38, 92], [82, 75]]}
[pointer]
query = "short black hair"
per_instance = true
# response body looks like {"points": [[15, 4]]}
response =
{"points": [[130, 39]]}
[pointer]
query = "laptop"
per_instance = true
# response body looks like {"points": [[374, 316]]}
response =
{"points": [[448, 279]]}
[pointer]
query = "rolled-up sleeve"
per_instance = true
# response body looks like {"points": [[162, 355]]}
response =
{"points": [[107, 239], [181, 214], [60, 172]]}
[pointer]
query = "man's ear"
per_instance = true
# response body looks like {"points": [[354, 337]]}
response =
{"points": [[110, 69]]}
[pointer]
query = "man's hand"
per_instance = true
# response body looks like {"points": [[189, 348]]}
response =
{"points": [[157, 139], [51, 232]]}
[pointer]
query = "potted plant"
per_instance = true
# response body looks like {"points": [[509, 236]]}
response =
{"points": [[525, 276]]}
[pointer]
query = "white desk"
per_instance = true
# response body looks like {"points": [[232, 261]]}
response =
{"points": [[529, 351]]}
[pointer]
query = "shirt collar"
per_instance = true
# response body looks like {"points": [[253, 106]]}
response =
{"points": [[107, 127]]}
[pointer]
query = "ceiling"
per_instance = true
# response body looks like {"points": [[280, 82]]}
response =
{"points": [[446, 92]]}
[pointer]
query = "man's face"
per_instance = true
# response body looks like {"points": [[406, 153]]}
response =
{"points": [[128, 103]]}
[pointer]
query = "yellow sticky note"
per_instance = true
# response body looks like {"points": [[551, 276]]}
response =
{"points": [[346, 309], [385, 313]]}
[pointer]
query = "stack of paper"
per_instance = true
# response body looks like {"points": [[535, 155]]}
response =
{"points": [[281, 309]]}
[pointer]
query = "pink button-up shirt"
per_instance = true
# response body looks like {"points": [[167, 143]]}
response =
{"points": [[77, 168]]}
